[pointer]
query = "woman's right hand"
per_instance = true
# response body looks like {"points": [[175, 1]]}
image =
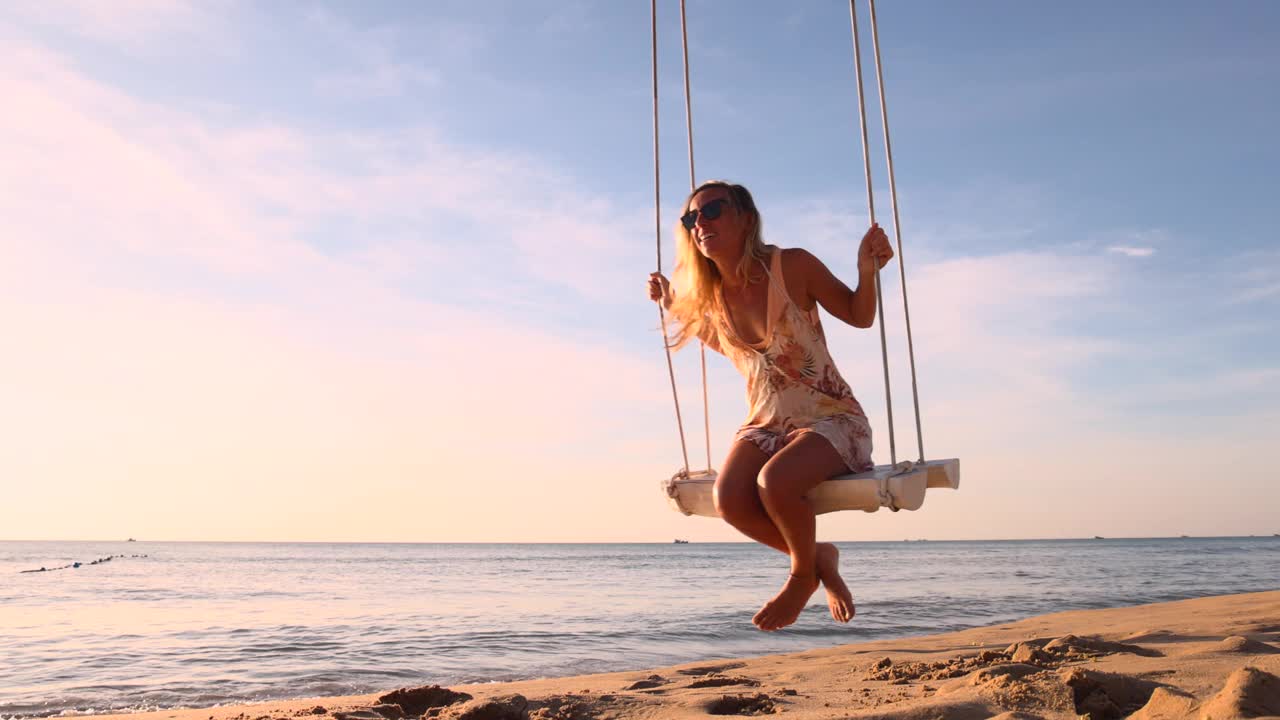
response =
{"points": [[660, 289]]}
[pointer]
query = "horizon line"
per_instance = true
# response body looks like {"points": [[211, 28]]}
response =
{"points": [[643, 542]]}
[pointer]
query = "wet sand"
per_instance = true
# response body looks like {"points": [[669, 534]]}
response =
{"points": [[1213, 657]]}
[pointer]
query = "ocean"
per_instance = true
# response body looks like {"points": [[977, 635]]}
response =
{"points": [[165, 625]]}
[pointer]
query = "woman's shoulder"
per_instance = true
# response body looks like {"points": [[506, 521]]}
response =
{"points": [[794, 259]]}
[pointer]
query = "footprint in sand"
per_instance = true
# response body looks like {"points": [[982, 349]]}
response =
{"points": [[711, 669], [758, 704], [723, 681], [648, 683], [575, 707]]}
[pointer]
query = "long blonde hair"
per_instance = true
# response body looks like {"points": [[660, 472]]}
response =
{"points": [[697, 310]]}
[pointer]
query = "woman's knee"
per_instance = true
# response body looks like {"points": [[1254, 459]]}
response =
{"points": [[736, 502], [782, 480], [771, 481], [799, 467]]}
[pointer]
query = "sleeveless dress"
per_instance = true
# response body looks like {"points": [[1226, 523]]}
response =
{"points": [[793, 386]]}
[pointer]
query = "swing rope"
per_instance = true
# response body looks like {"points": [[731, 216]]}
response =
{"points": [[871, 212], [897, 225], [657, 224], [693, 183], [866, 161]]}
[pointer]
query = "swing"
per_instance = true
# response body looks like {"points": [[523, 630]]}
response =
{"points": [[898, 485]]}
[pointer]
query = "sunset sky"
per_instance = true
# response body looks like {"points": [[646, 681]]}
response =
{"points": [[375, 272]]}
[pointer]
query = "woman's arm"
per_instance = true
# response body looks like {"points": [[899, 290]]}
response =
{"points": [[855, 307], [660, 291], [710, 338]]}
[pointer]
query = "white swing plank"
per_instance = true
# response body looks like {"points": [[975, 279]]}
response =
{"points": [[884, 486]]}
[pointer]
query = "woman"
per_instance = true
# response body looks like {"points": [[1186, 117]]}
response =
{"points": [[757, 304]]}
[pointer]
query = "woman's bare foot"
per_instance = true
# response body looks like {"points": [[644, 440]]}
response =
{"points": [[786, 606], [839, 598]]}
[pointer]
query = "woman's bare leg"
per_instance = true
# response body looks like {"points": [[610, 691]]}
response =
{"points": [[785, 480], [737, 498]]}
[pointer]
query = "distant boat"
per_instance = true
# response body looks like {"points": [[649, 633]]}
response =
{"points": [[1184, 536], [1098, 537], [131, 540], [678, 541]]}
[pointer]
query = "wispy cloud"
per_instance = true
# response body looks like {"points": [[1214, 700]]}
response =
{"points": [[1133, 252], [160, 182], [274, 306], [138, 26], [368, 62], [381, 78], [234, 348], [1254, 278], [991, 331], [573, 17]]}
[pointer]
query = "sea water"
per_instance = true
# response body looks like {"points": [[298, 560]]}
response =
{"points": [[164, 625]]}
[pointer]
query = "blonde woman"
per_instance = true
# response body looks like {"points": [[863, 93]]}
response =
{"points": [[758, 305]]}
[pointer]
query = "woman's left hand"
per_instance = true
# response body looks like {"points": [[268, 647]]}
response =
{"points": [[874, 252]]}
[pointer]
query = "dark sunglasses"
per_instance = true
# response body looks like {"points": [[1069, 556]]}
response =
{"points": [[710, 211]]}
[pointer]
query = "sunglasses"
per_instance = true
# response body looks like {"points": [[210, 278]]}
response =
{"points": [[710, 211]]}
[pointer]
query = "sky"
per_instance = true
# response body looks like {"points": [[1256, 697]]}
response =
{"points": [[308, 271]]}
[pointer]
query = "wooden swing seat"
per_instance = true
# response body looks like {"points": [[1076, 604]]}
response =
{"points": [[897, 487]]}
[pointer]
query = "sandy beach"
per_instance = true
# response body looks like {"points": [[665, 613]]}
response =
{"points": [[1215, 657]]}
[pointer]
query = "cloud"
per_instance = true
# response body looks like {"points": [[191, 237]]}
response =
{"points": [[379, 79], [1133, 252], [250, 316], [575, 17], [1253, 278], [144, 27], [370, 64], [185, 326], [993, 325], [251, 199], [147, 402]]}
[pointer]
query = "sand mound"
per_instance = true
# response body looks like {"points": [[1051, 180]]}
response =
{"points": [[1103, 696], [1070, 645], [1002, 673], [1039, 653], [1166, 704], [502, 707], [758, 704], [1152, 636], [648, 683], [1244, 646], [416, 701], [1248, 693], [1042, 692], [505, 707]]}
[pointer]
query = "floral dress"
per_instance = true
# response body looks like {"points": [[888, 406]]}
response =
{"points": [[793, 386]]}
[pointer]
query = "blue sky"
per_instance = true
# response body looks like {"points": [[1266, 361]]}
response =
{"points": [[328, 254]]}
